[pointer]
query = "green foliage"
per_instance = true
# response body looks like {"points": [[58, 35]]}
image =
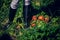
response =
{"points": [[37, 4], [4, 10], [19, 13], [42, 30]]}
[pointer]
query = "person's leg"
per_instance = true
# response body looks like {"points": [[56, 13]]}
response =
{"points": [[26, 15], [13, 9], [12, 12], [26, 12]]}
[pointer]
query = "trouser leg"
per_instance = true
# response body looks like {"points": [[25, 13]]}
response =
{"points": [[12, 13], [26, 15], [13, 9]]}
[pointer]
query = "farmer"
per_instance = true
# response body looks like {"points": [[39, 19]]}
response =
{"points": [[13, 9]]}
